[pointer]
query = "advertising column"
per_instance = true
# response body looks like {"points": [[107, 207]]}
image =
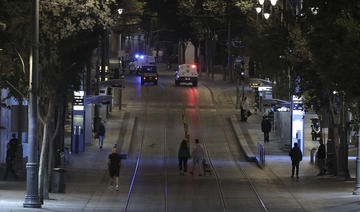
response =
{"points": [[297, 122]]}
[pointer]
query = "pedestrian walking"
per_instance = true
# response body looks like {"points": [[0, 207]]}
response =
{"points": [[266, 128], [101, 134], [183, 155], [198, 156], [11, 157], [320, 157], [296, 157], [114, 164], [245, 109]]}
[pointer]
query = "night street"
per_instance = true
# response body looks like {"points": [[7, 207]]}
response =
{"points": [[180, 105], [234, 185]]}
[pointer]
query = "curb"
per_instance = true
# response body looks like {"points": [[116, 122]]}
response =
{"points": [[125, 148], [250, 156]]}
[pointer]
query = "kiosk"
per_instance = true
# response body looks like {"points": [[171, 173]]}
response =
{"points": [[265, 92], [78, 120], [297, 122]]}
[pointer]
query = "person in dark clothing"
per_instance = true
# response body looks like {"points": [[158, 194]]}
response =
{"points": [[266, 128], [114, 164], [101, 134], [183, 155], [320, 157], [296, 157], [14, 143], [10, 159]]}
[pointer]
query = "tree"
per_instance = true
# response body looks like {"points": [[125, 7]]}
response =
{"points": [[333, 39], [63, 54], [14, 40]]}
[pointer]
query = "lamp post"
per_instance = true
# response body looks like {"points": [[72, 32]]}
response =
{"points": [[266, 7], [32, 199]]}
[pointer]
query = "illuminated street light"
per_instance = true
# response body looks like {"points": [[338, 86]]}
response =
{"points": [[266, 15], [120, 11], [258, 9], [314, 10], [261, 2], [273, 2]]}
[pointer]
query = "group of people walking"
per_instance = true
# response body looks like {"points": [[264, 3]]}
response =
{"points": [[114, 162], [197, 156]]}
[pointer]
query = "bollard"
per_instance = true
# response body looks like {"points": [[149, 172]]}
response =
{"points": [[312, 155]]}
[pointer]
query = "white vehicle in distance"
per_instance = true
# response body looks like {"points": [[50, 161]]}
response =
{"points": [[187, 73]]}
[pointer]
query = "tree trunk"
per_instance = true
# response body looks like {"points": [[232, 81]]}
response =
{"points": [[55, 129], [43, 166], [340, 138], [42, 163]]}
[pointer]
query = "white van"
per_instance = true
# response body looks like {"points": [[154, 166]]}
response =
{"points": [[187, 73]]}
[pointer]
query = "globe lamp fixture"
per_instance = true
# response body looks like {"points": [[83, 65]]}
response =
{"points": [[258, 9], [266, 15]]}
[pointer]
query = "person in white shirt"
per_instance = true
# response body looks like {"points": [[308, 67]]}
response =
{"points": [[245, 108], [198, 156]]}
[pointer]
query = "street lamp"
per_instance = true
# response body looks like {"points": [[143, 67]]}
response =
{"points": [[258, 9], [32, 199], [273, 2], [314, 10], [261, 2], [120, 11], [266, 15], [267, 9]]}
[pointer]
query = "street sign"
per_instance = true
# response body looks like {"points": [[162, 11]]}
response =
{"points": [[78, 102]]}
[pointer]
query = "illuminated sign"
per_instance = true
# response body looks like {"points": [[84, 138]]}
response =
{"points": [[263, 88], [297, 117], [254, 84], [78, 103]]}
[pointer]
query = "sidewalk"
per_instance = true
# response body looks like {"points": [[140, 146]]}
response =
{"points": [[327, 192], [86, 175]]}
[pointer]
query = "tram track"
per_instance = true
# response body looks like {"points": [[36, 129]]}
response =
{"points": [[139, 160], [218, 180], [132, 183], [252, 184], [243, 172]]}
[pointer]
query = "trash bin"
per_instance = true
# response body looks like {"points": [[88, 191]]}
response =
{"points": [[312, 156], [58, 181]]}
